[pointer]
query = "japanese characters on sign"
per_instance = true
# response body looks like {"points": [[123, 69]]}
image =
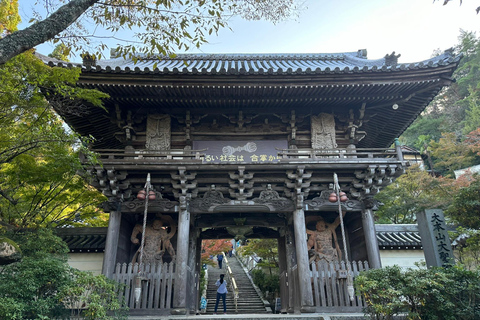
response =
{"points": [[262, 151], [442, 240], [435, 240]]}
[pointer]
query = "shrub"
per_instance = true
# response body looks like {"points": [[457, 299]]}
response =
{"points": [[93, 297], [428, 294], [265, 282], [36, 286]]}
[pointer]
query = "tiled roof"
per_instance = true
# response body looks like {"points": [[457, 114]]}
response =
{"points": [[398, 236], [259, 64], [399, 240], [84, 239], [390, 237]]}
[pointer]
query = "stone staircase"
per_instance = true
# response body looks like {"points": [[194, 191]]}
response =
{"points": [[248, 301]]}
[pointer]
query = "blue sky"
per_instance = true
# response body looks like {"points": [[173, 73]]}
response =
{"points": [[412, 28]]}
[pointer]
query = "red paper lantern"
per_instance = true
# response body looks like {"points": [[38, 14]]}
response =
{"points": [[343, 197], [141, 195]]}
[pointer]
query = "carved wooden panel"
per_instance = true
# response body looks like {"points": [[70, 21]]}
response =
{"points": [[158, 132], [323, 131]]}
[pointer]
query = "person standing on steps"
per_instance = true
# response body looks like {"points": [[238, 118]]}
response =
{"points": [[221, 293], [220, 260]]}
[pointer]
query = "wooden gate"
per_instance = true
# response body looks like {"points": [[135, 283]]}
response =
{"points": [[157, 285]]}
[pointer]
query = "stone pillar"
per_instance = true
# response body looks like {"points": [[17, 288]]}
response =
{"points": [[304, 277], [371, 242], [111, 243], [181, 265]]}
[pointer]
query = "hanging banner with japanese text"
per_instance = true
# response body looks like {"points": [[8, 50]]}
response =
{"points": [[258, 151]]}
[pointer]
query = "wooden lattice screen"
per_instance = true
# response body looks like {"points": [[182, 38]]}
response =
{"points": [[157, 287], [329, 284]]}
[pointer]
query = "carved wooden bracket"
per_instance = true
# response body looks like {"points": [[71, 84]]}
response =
{"points": [[241, 120], [240, 189], [298, 184], [371, 180], [111, 183], [184, 183]]}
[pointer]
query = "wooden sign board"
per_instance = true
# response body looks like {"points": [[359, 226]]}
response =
{"points": [[256, 151]]}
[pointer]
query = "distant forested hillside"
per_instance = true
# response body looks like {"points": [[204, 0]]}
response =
{"points": [[447, 134]]}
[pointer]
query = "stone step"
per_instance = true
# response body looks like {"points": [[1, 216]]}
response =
{"points": [[248, 302]]}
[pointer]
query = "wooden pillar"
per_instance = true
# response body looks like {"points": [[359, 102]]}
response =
{"points": [[111, 242], [371, 242], [181, 266], [198, 267], [291, 261], [304, 277], [282, 266], [192, 285]]}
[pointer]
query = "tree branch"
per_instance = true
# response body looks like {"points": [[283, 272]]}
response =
{"points": [[47, 29]]}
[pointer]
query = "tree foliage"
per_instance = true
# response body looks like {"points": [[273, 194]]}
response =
{"points": [[434, 293], [39, 185], [413, 192], [451, 154], [9, 17], [212, 247], [149, 27], [465, 208], [265, 249]]}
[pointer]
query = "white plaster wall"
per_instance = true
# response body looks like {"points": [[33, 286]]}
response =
{"points": [[86, 261], [402, 258]]}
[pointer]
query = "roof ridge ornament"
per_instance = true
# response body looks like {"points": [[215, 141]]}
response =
{"points": [[362, 53], [391, 59]]}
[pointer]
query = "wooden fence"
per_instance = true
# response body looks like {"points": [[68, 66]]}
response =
{"points": [[157, 285], [329, 284]]}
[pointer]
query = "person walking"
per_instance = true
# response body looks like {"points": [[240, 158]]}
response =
{"points": [[221, 293], [220, 260]]}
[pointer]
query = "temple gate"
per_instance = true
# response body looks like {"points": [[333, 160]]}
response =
{"points": [[248, 146]]}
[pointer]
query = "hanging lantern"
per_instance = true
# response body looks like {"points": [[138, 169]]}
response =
{"points": [[141, 195], [343, 197], [333, 197], [151, 195]]}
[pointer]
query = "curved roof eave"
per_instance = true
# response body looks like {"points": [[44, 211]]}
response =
{"points": [[257, 64]]}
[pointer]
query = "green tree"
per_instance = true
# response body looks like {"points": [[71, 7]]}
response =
{"points": [[465, 208], [9, 17], [451, 154], [61, 52], [412, 192], [159, 26], [38, 154], [265, 249]]}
